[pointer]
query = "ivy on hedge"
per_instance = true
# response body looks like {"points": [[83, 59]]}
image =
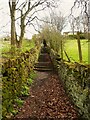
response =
{"points": [[76, 78], [15, 75]]}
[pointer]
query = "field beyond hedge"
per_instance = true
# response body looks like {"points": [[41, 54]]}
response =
{"points": [[71, 47]]}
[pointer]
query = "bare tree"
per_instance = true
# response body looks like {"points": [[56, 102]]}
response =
{"points": [[72, 24], [28, 13], [84, 5], [84, 14], [58, 20], [77, 23], [84, 22]]}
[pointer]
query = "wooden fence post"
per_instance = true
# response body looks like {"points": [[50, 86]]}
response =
{"points": [[79, 47]]}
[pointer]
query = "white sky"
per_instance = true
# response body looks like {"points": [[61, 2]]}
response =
{"points": [[65, 6]]}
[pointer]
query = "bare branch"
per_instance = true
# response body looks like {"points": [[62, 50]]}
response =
{"points": [[17, 2], [33, 6], [35, 17], [34, 28], [36, 11], [10, 6], [21, 6], [5, 25]]}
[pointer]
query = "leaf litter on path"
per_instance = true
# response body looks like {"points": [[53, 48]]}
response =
{"points": [[47, 100]]}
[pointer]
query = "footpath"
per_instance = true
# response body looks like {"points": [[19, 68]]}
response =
{"points": [[48, 99]]}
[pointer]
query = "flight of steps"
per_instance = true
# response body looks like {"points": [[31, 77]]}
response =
{"points": [[44, 62]]}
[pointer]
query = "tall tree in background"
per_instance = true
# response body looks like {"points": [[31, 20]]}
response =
{"points": [[28, 13], [58, 20], [12, 6], [72, 24], [56, 23], [85, 23], [53, 37], [84, 5]]}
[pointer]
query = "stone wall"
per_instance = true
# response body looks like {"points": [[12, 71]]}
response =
{"points": [[76, 79]]}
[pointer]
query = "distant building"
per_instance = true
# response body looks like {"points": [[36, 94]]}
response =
{"points": [[69, 33]]}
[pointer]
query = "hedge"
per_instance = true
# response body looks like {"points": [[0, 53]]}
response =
{"points": [[76, 79], [15, 75]]}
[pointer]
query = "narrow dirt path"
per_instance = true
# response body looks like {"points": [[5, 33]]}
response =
{"points": [[47, 100]]}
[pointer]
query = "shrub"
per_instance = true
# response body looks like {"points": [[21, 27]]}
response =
{"points": [[53, 37]]}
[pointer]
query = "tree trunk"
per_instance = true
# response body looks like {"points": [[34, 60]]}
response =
{"points": [[22, 32], [13, 30], [79, 47], [13, 41], [21, 37], [13, 23], [73, 32]]}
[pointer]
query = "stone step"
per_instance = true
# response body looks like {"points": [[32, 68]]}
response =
{"points": [[43, 69], [44, 61], [44, 58], [43, 64]]}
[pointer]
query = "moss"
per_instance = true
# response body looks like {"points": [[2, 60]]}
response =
{"points": [[15, 74], [76, 78]]}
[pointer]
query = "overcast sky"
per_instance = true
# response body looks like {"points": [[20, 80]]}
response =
{"points": [[64, 7]]}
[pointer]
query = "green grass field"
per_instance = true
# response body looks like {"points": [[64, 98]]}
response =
{"points": [[71, 47], [5, 47]]}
